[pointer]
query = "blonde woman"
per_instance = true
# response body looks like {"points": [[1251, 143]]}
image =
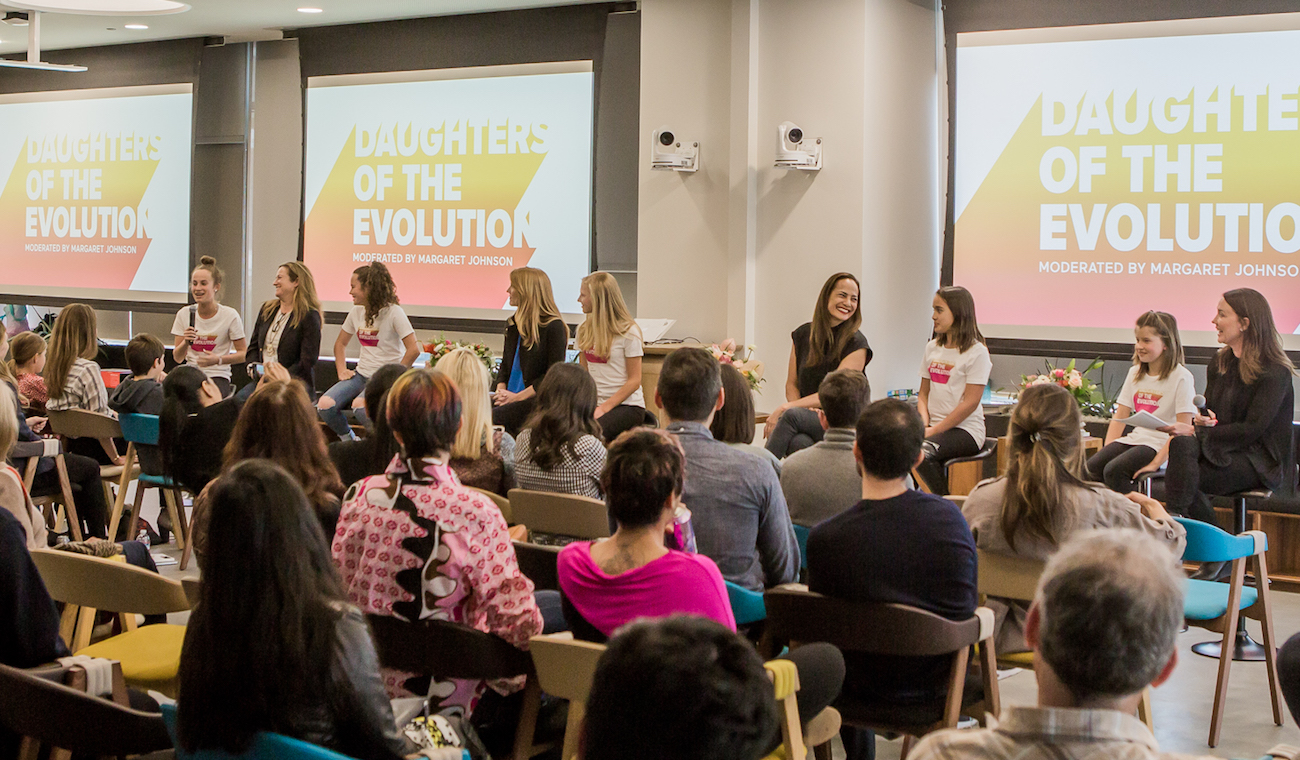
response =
{"points": [[611, 347], [209, 335], [73, 378], [288, 327], [482, 455], [536, 339]]}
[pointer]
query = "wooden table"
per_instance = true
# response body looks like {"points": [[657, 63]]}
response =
{"points": [[1091, 445]]}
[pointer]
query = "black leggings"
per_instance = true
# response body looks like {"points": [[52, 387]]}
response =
{"points": [[795, 430], [1190, 479], [1116, 464], [941, 447], [88, 491], [514, 415], [619, 420]]}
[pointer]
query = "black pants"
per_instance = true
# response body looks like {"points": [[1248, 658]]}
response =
{"points": [[1116, 464], [1288, 673], [514, 415], [619, 420], [952, 443], [795, 430], [1190, 479], [88, 491]]}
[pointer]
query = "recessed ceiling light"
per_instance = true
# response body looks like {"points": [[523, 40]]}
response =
{"points": [[103, 7], [136, 26], [309, 10]]}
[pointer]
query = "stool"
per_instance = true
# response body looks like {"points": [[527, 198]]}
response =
{"points": [[1245, 649], [1144, 481], [964, 473]]}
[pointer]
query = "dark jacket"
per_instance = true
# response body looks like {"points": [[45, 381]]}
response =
{"points": [[29, 631], [143, 396], [1254, 420], [299, 346], [197, 458], [356, 460], [25, 434], [552, 341]]}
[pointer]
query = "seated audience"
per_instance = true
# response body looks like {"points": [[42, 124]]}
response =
{"points": [[560, 449], [483, 456], [1101, 588], [29, 632], [26, 363], [737, 509], [1033, 509], [733, 424], [142, 392], [273, 644], [822, 480], [450, 556], [370, 455], [194, 426], [74, 379], [895, 546]]}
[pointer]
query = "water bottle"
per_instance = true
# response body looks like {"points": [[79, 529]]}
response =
{"points": [[683, 531], [143, 537]]}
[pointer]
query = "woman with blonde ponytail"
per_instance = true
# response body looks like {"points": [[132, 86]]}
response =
{"points": [[611, 347], [1043, 499]]}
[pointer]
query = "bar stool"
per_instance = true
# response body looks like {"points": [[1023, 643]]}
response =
{"points": [[963, 473]]}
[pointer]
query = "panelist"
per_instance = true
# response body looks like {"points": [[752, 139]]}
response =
{"points": [[288, 326], [536, 339], [209, 335]]}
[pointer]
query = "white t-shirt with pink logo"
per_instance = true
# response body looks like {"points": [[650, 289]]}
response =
{"points": [[1165, 399], [216, 336], [610, 372], [381, 342], [949, 372]]}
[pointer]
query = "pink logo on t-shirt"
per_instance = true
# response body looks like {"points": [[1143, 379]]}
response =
{"points": [[1146, 401], [940, 372], [594, 359], [369, 336], [205, 344]]}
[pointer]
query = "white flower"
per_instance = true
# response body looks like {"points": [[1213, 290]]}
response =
{"points": [[1076, 380]]}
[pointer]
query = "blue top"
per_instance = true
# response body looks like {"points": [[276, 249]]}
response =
{"points": [[516, 381]]}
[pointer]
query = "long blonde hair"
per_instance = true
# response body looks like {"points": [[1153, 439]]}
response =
{"points": [[609, 317], [24, 347], [75, 336], [471, 377], [536, 303], [304, 296]]}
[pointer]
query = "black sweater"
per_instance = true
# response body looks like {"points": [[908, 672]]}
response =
{"points": [[552, 341], [299, 345], [1254, 419]]}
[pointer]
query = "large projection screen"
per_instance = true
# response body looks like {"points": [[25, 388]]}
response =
{"points": [[1102, 171], [451, 177], [96, 204]]}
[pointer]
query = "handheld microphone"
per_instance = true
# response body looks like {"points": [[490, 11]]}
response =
{"points": [[194, 311], [1198, 401]]}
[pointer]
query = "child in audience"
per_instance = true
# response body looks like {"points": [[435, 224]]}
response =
{"points": [[142, 392], [74, 379], [26, 362], [194, 426], [1157, 383], [536, 340], [370, 455], [385, 334], [560, 450], [733, 424], [483, 455], [611, 346], [209, 335], [829, 342], [273, 644], [954, 371]]}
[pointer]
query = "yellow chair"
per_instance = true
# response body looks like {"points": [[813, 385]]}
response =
{"points": [[150, 656], [502, 502], [560, 513]]}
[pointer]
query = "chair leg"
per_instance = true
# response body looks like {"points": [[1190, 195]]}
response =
{"points": [[1266, 622], [1225, 651], [822, 752], [178, 527], [69, 506], [68, 621], [989, 676], [572, 729], [189, 533], [119, 501], [527, 719], [908, 741], [1144, 710], [134, 515], [956, 685], [85, 627]]}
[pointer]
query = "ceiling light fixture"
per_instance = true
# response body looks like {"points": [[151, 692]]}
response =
{"points": [[310, 10], [103, 7], [34, 51], [15, 18], [136, 26]]}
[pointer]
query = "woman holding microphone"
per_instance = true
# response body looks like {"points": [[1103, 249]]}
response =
{"points": [[209, 335]]}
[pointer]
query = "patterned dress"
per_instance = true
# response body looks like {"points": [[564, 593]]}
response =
{"points": [[415, 544]]}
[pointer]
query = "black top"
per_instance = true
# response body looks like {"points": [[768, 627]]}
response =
{"points": [[914, 549], [132, 396], [1254, 419], [355, 460], [299, 345], [810, 376], [201, 443], [552, 341], [29, 632]]}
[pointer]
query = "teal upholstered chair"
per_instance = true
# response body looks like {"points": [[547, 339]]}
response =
{"points": [[142, 430], [801, 535], [746, 606]]}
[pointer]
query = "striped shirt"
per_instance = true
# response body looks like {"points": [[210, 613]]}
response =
{"points": [[84, 389], [578, 475]]}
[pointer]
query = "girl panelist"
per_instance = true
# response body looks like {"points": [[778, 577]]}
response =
{"points": [[209, 335], [536, 339], [611, 347]]}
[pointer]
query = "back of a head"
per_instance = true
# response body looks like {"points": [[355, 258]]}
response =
{"points": [[680, 688], [279, 424], [424, 411], [643, 470], [844, 393], [385, 446], [689, 382], [734, 422], [1046, 459], [889, 437], [565, 411], [142, 352], [471, 377], [1110, 605], [180, 399], [24, 347]]}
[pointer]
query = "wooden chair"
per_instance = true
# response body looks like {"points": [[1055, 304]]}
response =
{"points": [[33, 452], [49, 706], [452, 650], [142, 430], [265, 746], [539, 564], [797, 616], [150, 656], [962, 473], [560, 513], [80, 423], [502, 502]]}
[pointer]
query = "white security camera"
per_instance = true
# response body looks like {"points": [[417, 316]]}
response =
{"points": [[794, 151], [668, 153]]}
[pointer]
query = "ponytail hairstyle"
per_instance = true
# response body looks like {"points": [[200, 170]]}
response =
{"points": [[381, 291], [536, 303], [566, 411], [466, 370], [7, 371], [376, 399], [181, 398], [826, 340], [965, 330], [24, 347], [75, 336], [210, 265], [609, 317], [1261, 346], [1166, 328], [1046, 459], [305, 299]]}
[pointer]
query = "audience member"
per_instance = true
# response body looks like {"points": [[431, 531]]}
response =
{"points": [[26, 363], [829, 342], [13, 496], [536, 340], [142, 392], [611, 346], [209, 334], [1103, 628], [447, 551], [370, 455], [74, 379], [733, 424], [737, 509], [273, 644], [1288, 674], [1042, 500], [287, 330], [482, 455], [386, 337], [560, 448], [194, 426], [822, 481], [29, 632], [895, 546]]}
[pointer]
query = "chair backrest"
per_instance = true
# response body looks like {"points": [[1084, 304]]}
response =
{"points": [[560, 513], [888, 629], [1008, 577], [445, 649], [565, 666], [140, 428], [64, 717], [502, 502], [266, 746], [746, 606], [1209, 543], [539, 564], [105, 584], [801, 537], [191, 585], [81, 423]]}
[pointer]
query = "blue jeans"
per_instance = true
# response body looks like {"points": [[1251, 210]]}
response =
{"points": [[344, 392]]}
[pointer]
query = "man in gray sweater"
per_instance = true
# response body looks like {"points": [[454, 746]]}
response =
{"points": [[822, 481]]}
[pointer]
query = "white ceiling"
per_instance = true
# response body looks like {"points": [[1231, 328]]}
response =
{"points": [[240, 20]]}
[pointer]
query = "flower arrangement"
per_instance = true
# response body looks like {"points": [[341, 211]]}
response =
{"points": [[1088, 394], [440, 347], [727, 353]]}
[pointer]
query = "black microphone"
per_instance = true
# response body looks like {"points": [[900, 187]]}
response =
{"points": [[1198, 401], [194, 311]]}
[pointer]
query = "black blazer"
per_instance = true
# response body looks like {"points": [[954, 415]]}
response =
{"points": [[1254, 420], [299, 346], [552, 341]]}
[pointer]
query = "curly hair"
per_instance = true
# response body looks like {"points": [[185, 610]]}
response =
{"points": [[381, 291]]}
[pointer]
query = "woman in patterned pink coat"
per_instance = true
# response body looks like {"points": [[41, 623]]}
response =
{"points": [[415, 544]]}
